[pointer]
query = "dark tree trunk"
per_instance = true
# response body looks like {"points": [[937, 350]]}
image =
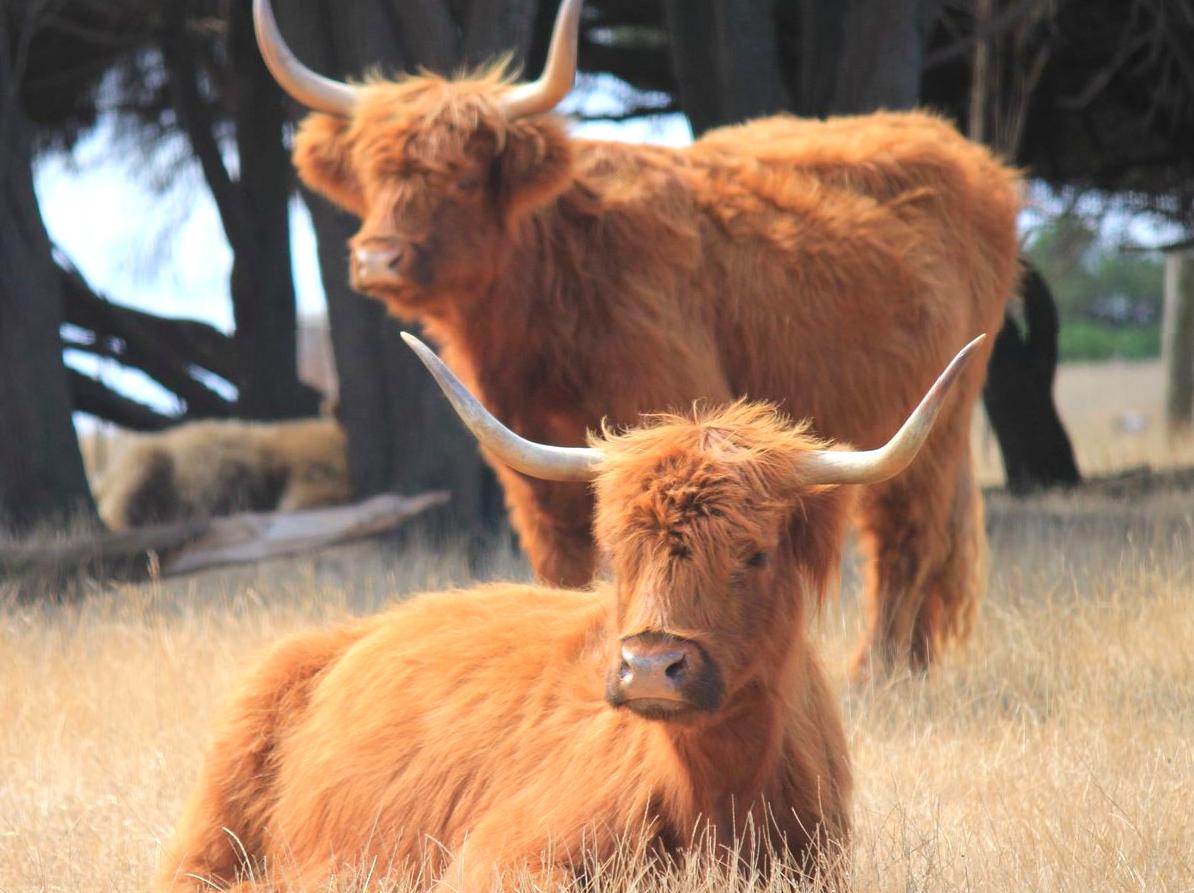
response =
{"points": [[402, 435], [726, 60], [41, 470], [263, 301], [1019, 396], [253, 207], [861, 55]]}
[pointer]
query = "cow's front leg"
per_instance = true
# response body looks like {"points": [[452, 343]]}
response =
{"points": [[554, 526]]}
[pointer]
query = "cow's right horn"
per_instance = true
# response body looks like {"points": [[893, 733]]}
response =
{"points": [[549, 463], [311, 89], [873, 466], [558, 74]]}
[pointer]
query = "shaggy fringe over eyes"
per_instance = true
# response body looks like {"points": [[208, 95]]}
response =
{"points": [[756, 438], [464, 104], [745, 458]]}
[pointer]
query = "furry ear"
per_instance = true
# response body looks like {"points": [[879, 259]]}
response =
{"points": [[817, 529], [323, 158], [534, 167]]}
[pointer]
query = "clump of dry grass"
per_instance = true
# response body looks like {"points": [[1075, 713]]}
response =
{"points": [[1054, 752]]}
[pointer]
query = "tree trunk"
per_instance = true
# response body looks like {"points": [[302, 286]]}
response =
{"points": [[726, 60], [41, 470], [1019, 396], [402, 435], [858, 56], [1177, 340], [263, 301], [253, 207]]}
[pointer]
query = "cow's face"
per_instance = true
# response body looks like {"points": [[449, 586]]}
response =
{"points": [[439, 176], [711, 555], [716, 529]]}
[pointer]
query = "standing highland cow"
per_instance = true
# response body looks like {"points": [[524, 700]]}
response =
{"points": [[826, 266], [515, 727]]}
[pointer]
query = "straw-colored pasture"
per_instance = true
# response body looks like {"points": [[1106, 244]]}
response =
{"points": [[1054, 752]]}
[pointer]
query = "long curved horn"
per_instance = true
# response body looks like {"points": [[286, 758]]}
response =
{"points": [[549, 463], [872, 466], [311, 89], [558, 74]]}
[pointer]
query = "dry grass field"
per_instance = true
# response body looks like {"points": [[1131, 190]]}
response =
{"points": [[1055, 752], [1114, 413]]}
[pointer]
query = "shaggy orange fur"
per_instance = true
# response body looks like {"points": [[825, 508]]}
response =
{"points": [[470, 728], [829, 266]]}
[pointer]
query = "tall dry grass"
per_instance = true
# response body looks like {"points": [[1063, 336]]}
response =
{"points": [[1054, 752]]}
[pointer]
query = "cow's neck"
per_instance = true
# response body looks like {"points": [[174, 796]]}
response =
{"points": [[527, 334], [729, 764]]}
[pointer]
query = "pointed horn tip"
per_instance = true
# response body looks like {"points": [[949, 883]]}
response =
{"points": [[414, 343], [962, 358], [974, 343]]}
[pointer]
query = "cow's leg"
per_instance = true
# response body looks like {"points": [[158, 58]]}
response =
{"points": [[554, 523], [923, 536], [222, 832], [954, 591]]}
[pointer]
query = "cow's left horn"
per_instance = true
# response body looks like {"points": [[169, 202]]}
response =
{"points": [[311, 89], [558, 74], [872, 466], [549, 463]]}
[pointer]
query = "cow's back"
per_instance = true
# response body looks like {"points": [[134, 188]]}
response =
{"points": [[851, 259]]}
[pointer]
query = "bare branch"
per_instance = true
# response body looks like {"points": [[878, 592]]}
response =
{"points": [[96, 398], [996, 28]]}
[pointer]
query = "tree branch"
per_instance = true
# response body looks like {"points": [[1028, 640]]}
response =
{"points": [[96, 398], [166, 350], [198, 124], [999, 24]]}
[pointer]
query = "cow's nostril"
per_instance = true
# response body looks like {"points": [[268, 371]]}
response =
{"points": [[676, 669], [395, 260]]}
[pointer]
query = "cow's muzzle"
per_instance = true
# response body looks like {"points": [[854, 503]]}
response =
{"points": [[376, 265], [661, 676]]}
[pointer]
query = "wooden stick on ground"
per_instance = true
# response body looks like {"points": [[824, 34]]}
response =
{"points": [[188, 546], [256, 536]]}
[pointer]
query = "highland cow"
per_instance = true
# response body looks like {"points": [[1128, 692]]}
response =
{"points": [[826, 266], [203, 469], [512, 727]]}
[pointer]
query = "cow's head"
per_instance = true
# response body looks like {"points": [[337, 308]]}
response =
{"points": [[438, 170], [715, 528]]}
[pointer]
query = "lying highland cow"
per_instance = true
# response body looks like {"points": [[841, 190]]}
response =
{"points": [[510, 727], [827, 266], [211, 468]]}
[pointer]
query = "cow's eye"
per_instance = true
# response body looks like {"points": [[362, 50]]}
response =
{"points": [[758, 559], [466, 185]]}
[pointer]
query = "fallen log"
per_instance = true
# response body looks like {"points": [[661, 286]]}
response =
{"points": [[41, 567], [255, 536]]}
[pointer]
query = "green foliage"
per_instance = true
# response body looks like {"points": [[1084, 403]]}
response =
{"points": [[1082, 339], [1109, 301]]}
